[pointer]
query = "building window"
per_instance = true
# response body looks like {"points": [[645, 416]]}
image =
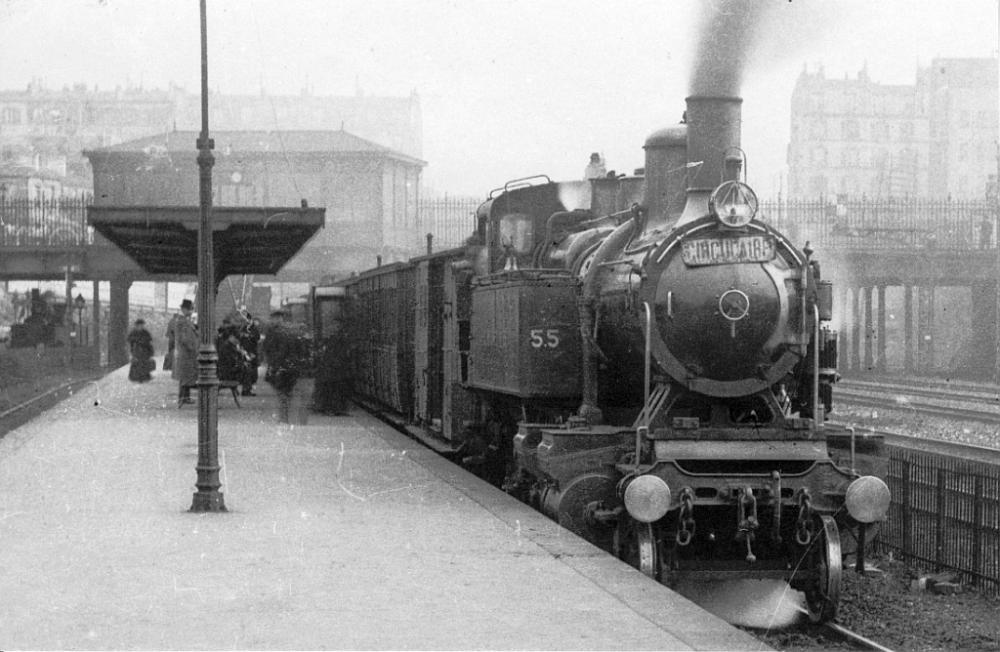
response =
{"points": [[850, 157], [880, 130], [817, 185], [851, 130], [11, 115]]}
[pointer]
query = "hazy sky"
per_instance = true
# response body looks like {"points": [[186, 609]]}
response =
{"points": [[508, 88]]}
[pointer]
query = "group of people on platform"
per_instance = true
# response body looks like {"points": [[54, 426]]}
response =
{"points": [[285, 346]]}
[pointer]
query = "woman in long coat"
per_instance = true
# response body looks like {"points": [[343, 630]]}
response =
{"points": [[185, 370], [140, 344]]}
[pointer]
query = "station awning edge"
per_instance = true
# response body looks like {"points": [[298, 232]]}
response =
{"points": [[247, 240]]}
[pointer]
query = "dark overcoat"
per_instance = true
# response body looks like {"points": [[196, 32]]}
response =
{"points": [[185, 370]]}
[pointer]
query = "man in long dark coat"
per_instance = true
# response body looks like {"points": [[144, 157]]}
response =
{"points": [[185, 370]]}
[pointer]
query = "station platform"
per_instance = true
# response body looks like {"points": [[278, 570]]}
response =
{"points": [[341, 534]]}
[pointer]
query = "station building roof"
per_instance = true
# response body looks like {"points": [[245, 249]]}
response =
{"points": [[247, 240], [258, 143]]}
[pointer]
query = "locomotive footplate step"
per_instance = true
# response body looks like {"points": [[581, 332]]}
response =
{"points": [[342, 533]]}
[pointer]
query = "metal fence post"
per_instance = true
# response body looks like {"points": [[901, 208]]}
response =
{"points": [[907, 517], [939, 522], [977, 532]]}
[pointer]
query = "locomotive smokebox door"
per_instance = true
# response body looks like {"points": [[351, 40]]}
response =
{"points": [[527, 335]]}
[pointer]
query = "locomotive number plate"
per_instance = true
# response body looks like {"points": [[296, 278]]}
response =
{"points": [[726, 251]]}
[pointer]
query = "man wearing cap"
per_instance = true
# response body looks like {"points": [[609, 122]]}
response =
{"points": [[185, 370]]}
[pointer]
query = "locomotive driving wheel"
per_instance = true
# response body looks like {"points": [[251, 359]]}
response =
{"points": [[823, 595], [635, 544]]}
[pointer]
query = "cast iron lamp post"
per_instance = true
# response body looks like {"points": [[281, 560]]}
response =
{"points": [[208, 498]]}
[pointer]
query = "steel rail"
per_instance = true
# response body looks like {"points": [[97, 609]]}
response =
{"points": [[943, 391], [856, 638], [38, 397], [933, 445], [866, 398], [849, 635]]}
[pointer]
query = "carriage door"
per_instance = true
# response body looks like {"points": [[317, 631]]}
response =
{"points": [[428, 354], [457, 406], [420, 365]]}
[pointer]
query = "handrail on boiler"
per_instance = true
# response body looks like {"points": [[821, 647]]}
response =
{"points": [[818, 416], [519, 183], [646, 380]]}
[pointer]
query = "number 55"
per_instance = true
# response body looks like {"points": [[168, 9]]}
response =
{"points": [[544, 338]]}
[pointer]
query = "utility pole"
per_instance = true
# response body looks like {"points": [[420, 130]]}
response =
{"points": [[996, 223], [996, 275]]}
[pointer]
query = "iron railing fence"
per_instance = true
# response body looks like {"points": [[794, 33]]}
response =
{"points": [[44, 222], [450, 219], [863, 224], [887, 223], [945, 514]]}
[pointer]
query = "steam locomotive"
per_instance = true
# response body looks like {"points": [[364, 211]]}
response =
{"points": [[643, 358]]}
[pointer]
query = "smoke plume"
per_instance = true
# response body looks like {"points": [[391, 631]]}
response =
{"points": [[727, 35]]}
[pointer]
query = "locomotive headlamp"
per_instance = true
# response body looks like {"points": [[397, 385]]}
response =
{"points": [[647, 498], [867, 499], [733, 203]]}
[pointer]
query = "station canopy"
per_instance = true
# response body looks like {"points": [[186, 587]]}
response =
{"points": [[247, 240]]}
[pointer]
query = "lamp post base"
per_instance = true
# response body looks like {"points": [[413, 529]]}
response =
{"points": [[208, 501]]}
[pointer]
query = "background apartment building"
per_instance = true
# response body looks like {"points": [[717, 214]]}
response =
{"points": [[43, 132], [857, 137]]}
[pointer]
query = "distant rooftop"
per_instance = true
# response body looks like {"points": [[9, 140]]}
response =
{"points": [[229, 142]]}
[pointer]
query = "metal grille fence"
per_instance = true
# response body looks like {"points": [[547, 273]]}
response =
{"points": [[846, 224], [889, 223], [44, 222], [945, 514], [451, 219]]}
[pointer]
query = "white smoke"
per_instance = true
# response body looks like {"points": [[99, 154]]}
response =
{"points": [[762, 604]]}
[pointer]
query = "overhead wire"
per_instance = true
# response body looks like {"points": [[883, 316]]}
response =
{"points": [[292, 172]]}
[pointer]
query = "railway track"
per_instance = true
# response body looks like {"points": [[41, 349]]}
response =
{"points": [[17, 414], [862, 642], [969, 402]]}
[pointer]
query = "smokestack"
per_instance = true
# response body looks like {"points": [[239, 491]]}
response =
{"points": [[666, 181], [713, 129]]}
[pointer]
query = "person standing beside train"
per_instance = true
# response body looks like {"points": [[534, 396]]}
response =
{"points": [[168, 359], [334, 371], [286, 353], [140, 344], [185, 368], [249, 337], [232, 357]]}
